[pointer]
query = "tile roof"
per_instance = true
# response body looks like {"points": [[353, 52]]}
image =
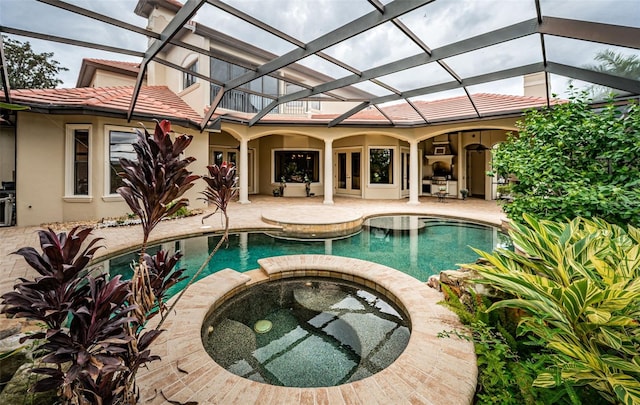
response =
{"points": [[153, 101], [447, 109], [160, 102], [133, 67]]}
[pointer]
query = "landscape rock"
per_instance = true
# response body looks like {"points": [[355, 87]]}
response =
{"points": [[12, 355], [17, 390], [460, 282]]}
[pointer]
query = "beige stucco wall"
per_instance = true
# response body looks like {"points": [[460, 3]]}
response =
{"points": [[197, 95], [7, 152], [222, 139], [40, 169], [103, 78], [157, 74], [266, 146]]}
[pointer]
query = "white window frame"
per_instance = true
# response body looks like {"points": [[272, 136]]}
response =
{"points": [[394, 180], [107, 196], [190, 73], [69, 167]]}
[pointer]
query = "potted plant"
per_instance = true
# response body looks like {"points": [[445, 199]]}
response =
{"points": [[283, 185], [464, 193], [504, 192], [307, 185]]}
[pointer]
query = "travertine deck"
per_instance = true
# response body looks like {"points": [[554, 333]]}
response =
{"points": [[431, 370]]}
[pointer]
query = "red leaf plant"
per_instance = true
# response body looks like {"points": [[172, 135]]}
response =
{"points": [[221, 189], [96, 337], [154, 185], [83, 347], [155, 182]]}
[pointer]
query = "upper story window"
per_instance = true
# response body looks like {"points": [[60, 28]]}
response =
{"points": [[78, 158], [188, 78], [120, 145], [251, 97]]}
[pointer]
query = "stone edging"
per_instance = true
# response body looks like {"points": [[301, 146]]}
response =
{"points": [[431, 370]]}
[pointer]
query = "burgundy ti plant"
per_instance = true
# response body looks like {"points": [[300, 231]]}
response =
{"points": [[221, 189], [85, 316], [96, 336], [155, 182], [154, 185]]}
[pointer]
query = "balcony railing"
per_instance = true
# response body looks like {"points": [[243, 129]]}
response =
{"points": [[243, 101]]}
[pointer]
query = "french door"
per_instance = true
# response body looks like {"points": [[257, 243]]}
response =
{"points": [[221, 154], [348, 170], [404, 172]]}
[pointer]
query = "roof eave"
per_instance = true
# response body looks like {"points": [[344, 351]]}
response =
{"points": [[108, 112]]}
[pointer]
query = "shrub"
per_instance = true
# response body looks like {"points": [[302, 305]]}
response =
{"points": [[573, 160], [578, 284]]}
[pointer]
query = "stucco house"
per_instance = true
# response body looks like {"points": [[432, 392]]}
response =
{"points": [[62, 153]]}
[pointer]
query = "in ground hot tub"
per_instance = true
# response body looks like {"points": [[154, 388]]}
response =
{"points": [[306, 332], [429, 369]]}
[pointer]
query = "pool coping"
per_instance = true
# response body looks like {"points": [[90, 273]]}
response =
{"points": [[431, 370]]}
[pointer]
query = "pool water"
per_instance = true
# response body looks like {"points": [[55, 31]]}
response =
{"points": [[323, 332], [416, 245]]}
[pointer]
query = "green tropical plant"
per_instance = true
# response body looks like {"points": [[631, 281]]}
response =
{"points": [[506, 366], [571, 160], [578, 283], [13, 107]]}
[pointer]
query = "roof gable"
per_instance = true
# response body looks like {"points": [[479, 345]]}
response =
{"points": [[90, 66]]}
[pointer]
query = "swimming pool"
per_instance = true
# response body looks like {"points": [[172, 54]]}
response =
{"points": [[416, 245]]}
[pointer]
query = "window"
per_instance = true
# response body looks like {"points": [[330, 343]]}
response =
{"points": [[120, 146], [251, 97], [188, 79], [294, 165], [77, 170], [381, 166]]}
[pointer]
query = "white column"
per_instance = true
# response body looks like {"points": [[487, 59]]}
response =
{"points": [[328, 247], [244, 172], [414, 247], [328, 171], [244, 248], [414, 177]]}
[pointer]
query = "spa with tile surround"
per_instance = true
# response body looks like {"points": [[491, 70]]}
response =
{"points": [[431, 370]]}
